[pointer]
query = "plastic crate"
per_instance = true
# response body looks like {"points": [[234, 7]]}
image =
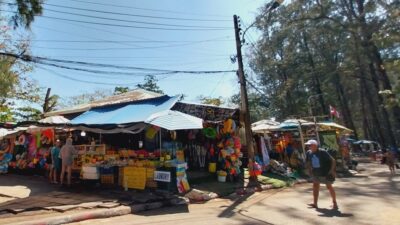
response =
{"points": [[107, 179], [107, 170]]}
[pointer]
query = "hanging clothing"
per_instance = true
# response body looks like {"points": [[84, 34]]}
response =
{"points": [[264, 150]]}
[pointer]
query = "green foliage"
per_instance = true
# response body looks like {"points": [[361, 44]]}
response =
{"points": [[211, 101], [258, 106], [150, 84], [27, 114], [120, 90], [26, 10]]}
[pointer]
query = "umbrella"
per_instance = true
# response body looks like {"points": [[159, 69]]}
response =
{"points": [[174, 120], [55, 120], [333, 125], [294, 123], [363, 142], [264, 125]]}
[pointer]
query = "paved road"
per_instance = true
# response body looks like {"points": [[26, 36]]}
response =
{"points": [[373, 198]]}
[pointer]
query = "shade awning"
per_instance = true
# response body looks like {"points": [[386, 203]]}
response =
{"points": [[333, 125], [55, 120], [264, 125], [123, 114], [174, 120]]}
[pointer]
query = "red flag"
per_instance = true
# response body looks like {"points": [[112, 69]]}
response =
{"points": [[334, 112]]}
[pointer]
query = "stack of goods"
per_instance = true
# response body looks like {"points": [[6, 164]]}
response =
{"points": [[150, 182], [181, 178], [134, 177], [107, 175], [90, 173]]}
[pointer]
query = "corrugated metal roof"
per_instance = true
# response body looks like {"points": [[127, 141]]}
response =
{"points": [[130, 96]]}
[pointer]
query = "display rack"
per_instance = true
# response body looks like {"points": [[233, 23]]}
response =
{"points": [[83, 150]]}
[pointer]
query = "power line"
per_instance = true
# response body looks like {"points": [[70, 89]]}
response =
{"points": [[118, 13], [111, 41], [86, 81], [130, 21], [127, 26], [152, 10], [105, 49], [53, 62]]}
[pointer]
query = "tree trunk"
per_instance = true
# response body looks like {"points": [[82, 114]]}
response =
{"points": [[46, 102], [347, 115], [376, 63], [315, 79]]}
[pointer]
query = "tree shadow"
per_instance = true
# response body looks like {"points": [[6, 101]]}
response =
{"points": [[165, 210]]}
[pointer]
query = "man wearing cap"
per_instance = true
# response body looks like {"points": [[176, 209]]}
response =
{"points": [[322, 168]]}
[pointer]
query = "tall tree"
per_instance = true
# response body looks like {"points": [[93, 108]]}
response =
{"points": [[336, 52], [150, 84]]}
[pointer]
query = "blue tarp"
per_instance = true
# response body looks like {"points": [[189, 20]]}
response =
{"points": [[121, 114]]}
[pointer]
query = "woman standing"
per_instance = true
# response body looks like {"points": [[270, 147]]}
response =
{"points": [[55, 158]]}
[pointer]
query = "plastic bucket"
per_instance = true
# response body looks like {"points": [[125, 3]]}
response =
{"points": [[212, 167], [222, 178]]}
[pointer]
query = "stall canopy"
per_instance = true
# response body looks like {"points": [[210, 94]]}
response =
{"points": [[134, 112], [264, 126], [55, 120], [332, 125], [174, 120], [294, 124]]}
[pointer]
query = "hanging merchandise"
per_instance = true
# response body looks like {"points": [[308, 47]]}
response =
{"points": [[229, 126], [181, 178], [212, 151], [151, 132], [173, 135], [265, 153], [201, 154], [22, 139], [210, 132], [192, 135], [37, 140]]}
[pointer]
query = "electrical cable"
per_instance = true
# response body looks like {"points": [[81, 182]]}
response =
{"points": [[152, 10], [142, 47], [127, 26], [128, 21], [86, 81], [53, 62]]}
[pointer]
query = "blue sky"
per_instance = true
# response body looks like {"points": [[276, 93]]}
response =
{"points": [[170, 49]]}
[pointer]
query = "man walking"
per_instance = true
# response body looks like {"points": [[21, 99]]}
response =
{"points": [[322, 168]]}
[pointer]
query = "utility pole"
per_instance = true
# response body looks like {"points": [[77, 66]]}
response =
{"points": [[244, 106]]}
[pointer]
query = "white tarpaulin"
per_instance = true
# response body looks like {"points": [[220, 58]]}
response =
{"points": [[174, 120], [55, 120]]}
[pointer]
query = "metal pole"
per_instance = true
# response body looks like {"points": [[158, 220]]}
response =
{"points": [[244, 109]]}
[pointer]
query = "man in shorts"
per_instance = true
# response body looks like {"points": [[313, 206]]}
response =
{"points": [[322, 168]]}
